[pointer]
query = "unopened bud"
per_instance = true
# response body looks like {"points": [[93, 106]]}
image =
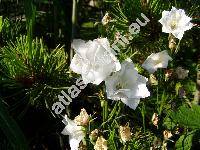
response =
{"points": [[155, 119], [181, 73], [82, 119], [94, 135], [106, 19], [125, 133], [172, 42], [167, 134], [101, 144], [82, 146], [153, 80]]}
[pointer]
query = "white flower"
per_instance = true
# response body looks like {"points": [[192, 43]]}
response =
{"points": [[127, 85], [175, 22], [156, 60], [181, 73], [74, 131], [94, 60]]}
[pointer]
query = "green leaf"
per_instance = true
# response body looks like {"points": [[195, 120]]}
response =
{"points": [[36, 65], [1, 23], [190, 86], [11, 130], [187, 116], [111, 140], [88, 25], [178, 86], [195, 20], [169, 123], [184, 142]]}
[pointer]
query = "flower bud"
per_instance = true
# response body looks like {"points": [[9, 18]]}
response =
{"points": [[117, 35], [106, 19], [172, 42], [155, 119], [168, 73], [125, 133], [181, 92], [167, 134], [82, 119], [153, 80], [82, 146], [101, 144], [181, 73], [94, 135]]}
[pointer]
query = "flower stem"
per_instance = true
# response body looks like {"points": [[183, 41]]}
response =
{"points": [[113, 112], [125, 147], [143, 116], [105, 110], [175, 3], [177, 47], [74, 17]]}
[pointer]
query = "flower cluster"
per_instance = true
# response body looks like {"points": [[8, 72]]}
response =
{"points": [[123, 82]]}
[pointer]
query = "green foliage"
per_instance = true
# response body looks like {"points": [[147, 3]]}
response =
{"points": [[30, 12], [168, 123], [11, 130], [190, 86], [4, 144], [10, 29], [166, 94], [1, 22], [34, 73], [37, 72], [184, 142], [187, 116]]}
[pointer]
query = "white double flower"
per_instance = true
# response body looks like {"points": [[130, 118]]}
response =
{"points": [[127, 85], [175, 22], [94, 60]]}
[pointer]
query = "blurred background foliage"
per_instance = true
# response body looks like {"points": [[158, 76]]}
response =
{"points": [[35, 51]]}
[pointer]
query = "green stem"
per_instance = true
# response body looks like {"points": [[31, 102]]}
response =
{"points": [[134, 54], [158, 108], [143, 117], [125, 147], [114, 111], [74, 7], [57, 88], [105, 109], [175, 3], [177, 47]]}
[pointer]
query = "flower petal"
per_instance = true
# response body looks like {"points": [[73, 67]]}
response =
{"points": [[132, 103]]}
